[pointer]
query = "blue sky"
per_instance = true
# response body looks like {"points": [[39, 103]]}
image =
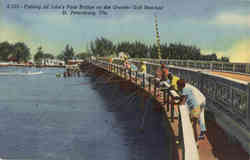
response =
{"points": [[220, 26]]}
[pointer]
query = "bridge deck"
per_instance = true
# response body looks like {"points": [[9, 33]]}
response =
{"points": [[233, 76]]}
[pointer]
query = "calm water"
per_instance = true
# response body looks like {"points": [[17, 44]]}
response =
{"points": [[44, 117]]}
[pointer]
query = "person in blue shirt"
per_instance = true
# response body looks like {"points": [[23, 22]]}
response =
{"points": [[195, 102]]}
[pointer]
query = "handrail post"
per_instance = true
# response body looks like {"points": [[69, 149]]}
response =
{"points": [[172, 108], [201, 82], [149, 85], [119, 70], [130, 74], [136, 78], [143, 80], [168, 100], [125, 73], [248, 105], [164, 96], [155, 87], [180, 134]]}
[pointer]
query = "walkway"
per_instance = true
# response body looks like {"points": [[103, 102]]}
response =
{"points": [[234, 75]]}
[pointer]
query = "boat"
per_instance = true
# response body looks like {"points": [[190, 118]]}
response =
{"points": [[19, 73]]}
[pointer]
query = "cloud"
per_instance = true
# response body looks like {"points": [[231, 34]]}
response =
{"points": [[240, 52], [15, 33], [53, 31], [232, 19]]}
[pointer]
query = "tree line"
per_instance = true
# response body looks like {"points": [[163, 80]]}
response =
{"points": [[104, 47], [69, 53], [18, 52]]}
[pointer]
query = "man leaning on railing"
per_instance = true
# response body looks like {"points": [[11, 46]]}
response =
{"points": [[196, 102], [161, 77]]}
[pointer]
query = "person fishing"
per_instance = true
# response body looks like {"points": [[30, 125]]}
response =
{"points": [[143, 71], [126, 64], [133, 67], [79, 73], [196, 102], [172, 80], [161, 77], [143, 68], [64, 74], [110, 62]]}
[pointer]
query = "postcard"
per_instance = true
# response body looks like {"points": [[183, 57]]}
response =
{"points": [[91, 79]]}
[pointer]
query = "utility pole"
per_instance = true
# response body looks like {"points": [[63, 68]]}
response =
{"points": [[157, 38]]}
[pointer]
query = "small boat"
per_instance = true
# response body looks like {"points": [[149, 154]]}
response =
{"points": [[33, 73], [19, 73]]}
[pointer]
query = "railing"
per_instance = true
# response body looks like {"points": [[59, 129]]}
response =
{"points": [[148, 82], [243, 68], [232, 97]]}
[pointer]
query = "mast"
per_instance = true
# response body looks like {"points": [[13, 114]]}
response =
{"points": [[157, 38]]}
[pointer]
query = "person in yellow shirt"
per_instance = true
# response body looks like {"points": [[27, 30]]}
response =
{"points": [[143, 71], [143, 68], [172, 80]]}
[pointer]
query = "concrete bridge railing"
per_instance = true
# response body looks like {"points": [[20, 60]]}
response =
{"points": [[243, 68], [228, 99], [185, 130]]}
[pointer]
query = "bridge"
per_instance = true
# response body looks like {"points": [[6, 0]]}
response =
{"points": [[227, 90]]}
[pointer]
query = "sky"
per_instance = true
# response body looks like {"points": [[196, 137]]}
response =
{"points": [[215, 26]]}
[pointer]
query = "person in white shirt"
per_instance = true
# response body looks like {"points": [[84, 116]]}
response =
{"points": [[195, 101]]}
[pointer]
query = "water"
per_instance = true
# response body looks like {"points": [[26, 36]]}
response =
{"points": [[44, 117]]}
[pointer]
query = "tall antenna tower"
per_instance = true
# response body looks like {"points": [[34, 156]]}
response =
{"points": [[157, 38]]}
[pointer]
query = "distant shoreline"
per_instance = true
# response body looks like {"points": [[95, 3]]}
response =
{"points": [[30, 65]]}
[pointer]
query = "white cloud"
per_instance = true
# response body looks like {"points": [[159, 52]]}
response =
{"points": [[239, 52], [232, 19], [15, 33]]}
